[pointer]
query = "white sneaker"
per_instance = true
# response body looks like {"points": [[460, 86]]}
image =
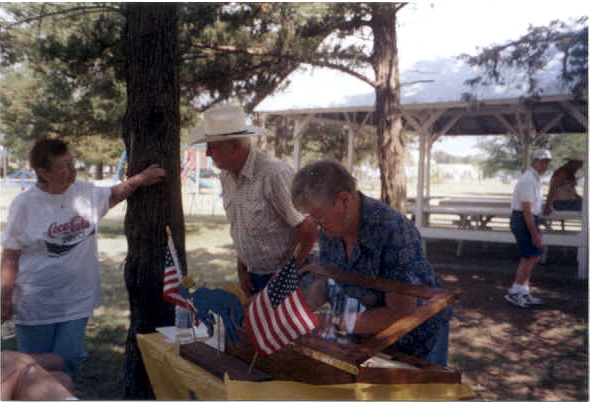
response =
{"points": [[532, 300], [518, 299]]}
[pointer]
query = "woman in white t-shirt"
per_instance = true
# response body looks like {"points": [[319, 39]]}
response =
{"points": [[50, 270]]}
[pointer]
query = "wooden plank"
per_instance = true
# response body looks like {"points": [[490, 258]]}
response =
{"points": [[289, 365], [327, 356], [406, 324], [219, 363], [386, 285], [355, 354], [424, 372]]}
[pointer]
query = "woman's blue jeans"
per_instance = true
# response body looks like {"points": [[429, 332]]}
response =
{"points": [[63, 338]]}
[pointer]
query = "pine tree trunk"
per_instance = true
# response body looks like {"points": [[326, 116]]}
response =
{"points": [[98, 175], [151, 131], [387, 106]]}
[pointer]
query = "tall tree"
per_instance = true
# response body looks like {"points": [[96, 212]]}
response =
{"points": [[545, 58], [387, 105], [151, 132], [534, 53], [375, 50]]}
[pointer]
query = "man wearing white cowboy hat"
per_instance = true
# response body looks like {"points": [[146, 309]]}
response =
{"points": [[256, 192], [524, 224], [562, 195]]}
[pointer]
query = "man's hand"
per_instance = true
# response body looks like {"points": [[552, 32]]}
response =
{"points": [[547, 209], [244, 278], [537, 240], [245, 283]]}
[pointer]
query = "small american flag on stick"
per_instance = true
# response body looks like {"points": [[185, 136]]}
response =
{"points": [[173, 276], [279, 313]]}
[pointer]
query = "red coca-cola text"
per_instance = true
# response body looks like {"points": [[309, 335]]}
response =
{"points": [[77, 224]]}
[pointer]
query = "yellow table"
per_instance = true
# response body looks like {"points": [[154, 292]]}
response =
{"points": [[174, 377]]}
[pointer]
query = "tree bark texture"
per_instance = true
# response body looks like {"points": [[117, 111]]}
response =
{"points": [[151, 131], [387, 106], [98, 174]]}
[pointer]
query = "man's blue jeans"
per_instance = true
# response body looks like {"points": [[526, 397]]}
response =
{"points": [[64, 338], [259, 281], [440, 351]]}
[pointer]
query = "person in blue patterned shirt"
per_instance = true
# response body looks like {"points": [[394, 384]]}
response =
{"points": [[363, 235]]}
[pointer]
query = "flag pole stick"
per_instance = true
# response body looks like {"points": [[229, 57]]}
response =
{"points": [[194, 328], [252, 363], [217, 324]]}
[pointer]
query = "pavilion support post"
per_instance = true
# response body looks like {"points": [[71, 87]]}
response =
{"points": [[297, 145], [350, 149], [300, 126], [428, 166], [420, 185], [583, 251], [262, 140], [526, 150]]}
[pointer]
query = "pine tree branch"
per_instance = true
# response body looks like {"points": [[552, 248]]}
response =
{"points": [[84, 9], [212, 50]]}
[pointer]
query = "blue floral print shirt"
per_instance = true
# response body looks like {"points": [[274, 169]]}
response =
{"points": [[388, 246]]}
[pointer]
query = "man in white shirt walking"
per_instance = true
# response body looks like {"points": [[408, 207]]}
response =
{"points": [[524, 223]]}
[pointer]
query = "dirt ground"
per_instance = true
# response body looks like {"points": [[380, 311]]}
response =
{"points": [[509, 353]]}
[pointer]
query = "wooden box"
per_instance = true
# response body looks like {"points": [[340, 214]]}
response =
{"points": [[317, 361]]}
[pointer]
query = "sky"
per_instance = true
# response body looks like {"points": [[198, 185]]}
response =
{"points": [[437, 29]]}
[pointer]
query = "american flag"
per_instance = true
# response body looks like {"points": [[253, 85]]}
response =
{"points": [[173, 277], [279, 313]]}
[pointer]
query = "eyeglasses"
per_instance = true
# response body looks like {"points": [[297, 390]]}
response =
{"points": [[315, 219]]}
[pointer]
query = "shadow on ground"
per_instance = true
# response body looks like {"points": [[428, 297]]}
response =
{"points": [[508, 353]]}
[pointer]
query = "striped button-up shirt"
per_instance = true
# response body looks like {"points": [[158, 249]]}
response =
{"points": [[260, 212]]}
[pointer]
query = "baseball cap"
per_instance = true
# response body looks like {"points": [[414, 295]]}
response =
{"points": [[542, 154]]}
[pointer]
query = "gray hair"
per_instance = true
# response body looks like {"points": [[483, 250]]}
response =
{"points": [[319, 183]]}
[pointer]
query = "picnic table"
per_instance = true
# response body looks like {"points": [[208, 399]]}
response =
{"points": [[487, 220], [478, 214]]}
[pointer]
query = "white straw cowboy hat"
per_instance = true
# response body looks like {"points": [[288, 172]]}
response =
{"points": [[577, 156], [222, 123]]}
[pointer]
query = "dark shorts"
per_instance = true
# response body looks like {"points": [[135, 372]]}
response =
{"points": [[259, 281], [567, 205], [522, 235]]}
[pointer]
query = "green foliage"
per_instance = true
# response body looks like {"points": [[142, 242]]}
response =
{"points": [[59, 82], [562, 146], [226, 51], [505, 153], [72, 56], [565, 43]]}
